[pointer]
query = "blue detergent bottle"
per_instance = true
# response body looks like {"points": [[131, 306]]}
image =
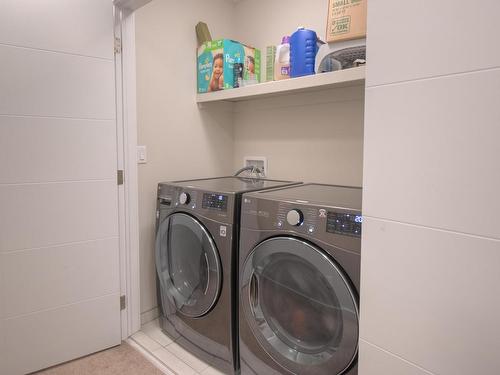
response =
{"points": [[303, 48]]}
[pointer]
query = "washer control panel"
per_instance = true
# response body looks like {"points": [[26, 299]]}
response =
{"points": [[215, 201], [344, 223]]}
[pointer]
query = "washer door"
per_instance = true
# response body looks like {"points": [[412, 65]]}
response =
{"points": [[188, 265], [300, 307]]}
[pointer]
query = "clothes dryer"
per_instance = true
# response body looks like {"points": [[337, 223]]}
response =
{"points": [[299, 280], [196, 263]]}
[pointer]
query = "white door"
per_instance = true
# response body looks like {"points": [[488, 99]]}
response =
{"points": [[59, 256]]}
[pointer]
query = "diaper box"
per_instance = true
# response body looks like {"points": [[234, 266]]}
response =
{"points": [[216, 65]]}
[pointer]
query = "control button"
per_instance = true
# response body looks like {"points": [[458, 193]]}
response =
{"points": [[294, 217], [310, 229], [280, 224], [184, 198]]}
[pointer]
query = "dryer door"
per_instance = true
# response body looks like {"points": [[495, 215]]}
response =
{"points": [[300, 306], [188, 265]]}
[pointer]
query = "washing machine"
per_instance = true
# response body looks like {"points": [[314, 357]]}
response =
{"points": [[196, 258], [299, 280]]}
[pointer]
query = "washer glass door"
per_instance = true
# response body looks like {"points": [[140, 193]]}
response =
{"points": [[300, 306], [188, 265]]}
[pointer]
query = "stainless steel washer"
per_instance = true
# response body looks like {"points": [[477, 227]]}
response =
{"points": [[196, 260], [299, 280]]}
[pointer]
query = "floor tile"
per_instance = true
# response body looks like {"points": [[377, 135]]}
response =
{"points": [[173, 363], [145, 341], [187, 357], [153, 330]]}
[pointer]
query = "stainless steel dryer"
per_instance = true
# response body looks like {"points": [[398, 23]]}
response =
{"points": [[196, 259], [299, 280]]}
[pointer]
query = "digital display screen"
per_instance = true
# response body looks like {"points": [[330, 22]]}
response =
{"points": [[215, 201], [342, 223]]}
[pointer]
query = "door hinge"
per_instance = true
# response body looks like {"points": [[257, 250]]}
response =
{"points": [[123, 303], [119, 177], [118, 45]]}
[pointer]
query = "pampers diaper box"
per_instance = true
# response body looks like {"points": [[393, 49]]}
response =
{"points": [[216, 65]]}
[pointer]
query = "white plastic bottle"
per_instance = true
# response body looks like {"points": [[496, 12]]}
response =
{"points": [[282, 60]]}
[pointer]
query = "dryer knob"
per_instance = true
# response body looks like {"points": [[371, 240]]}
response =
{"points": [[184, 198], [294, 217]]}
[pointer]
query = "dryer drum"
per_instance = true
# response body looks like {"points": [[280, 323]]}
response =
{"points": [[303, 309]]}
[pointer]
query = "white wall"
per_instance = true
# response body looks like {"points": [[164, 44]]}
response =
{"points": [[262, 23], [314, 137], [430, 284], [307, 137], [182, 142], [59, 266]]}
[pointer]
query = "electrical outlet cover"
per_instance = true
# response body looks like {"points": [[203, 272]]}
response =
{"points": [[257, 161]]}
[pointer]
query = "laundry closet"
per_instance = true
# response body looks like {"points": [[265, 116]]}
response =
{"points": [[335, 135], [314, 136], [394, 141], [98, 104]]}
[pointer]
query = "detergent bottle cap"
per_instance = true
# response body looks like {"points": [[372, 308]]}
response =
{"points": [[285, 39]]}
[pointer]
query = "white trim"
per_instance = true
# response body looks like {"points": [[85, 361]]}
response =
{"points": [[132, 190], [129, 213], [119, 165]]}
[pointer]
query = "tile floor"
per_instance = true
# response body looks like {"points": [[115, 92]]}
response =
{"points": [[171, 355]]}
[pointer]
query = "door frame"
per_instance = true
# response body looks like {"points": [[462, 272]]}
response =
{"points": [[128, 193]]}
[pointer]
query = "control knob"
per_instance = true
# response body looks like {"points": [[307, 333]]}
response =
{"points": [[184, 198], [294, 217]]}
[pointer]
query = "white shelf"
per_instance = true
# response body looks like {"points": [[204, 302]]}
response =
{"points": [[340, 78]]}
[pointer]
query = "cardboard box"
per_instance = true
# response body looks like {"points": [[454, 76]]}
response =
{"points": [[346, 20], [202, 33], [270, 57], [216, 61]]}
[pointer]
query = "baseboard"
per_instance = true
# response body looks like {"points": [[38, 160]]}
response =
{"points": [[150, 315]]}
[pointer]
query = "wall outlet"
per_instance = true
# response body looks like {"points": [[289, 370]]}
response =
{"points": [[257, 161]]}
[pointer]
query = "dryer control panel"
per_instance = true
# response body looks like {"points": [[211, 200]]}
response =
{"points": [[343, 223], [329, 225]]}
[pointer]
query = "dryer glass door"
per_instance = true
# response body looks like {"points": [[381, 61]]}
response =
{"points": [[300, 306], [188, 265]]}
